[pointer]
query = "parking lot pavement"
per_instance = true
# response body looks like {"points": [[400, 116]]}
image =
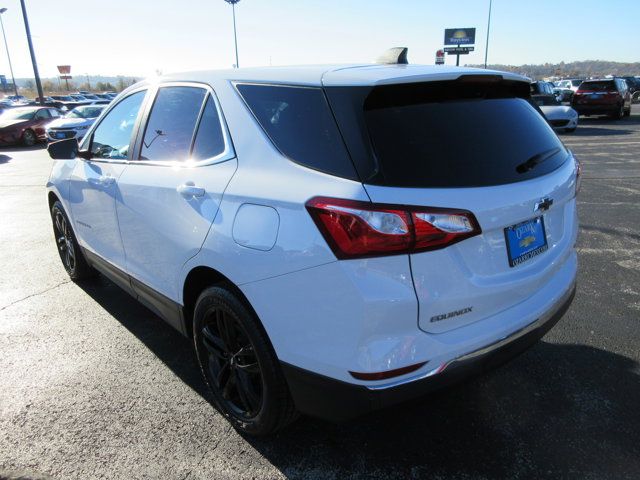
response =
{"points": [[93, 385]]}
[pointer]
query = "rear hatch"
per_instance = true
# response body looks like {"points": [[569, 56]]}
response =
{"points": [[597, 92], [475, 144]]}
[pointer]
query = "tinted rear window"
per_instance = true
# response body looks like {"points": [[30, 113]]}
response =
{"points": [[598, 86], [299, 122], [453, 134]]}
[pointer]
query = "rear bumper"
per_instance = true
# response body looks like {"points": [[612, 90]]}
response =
{"points": [[335, 400], [595, 109]]}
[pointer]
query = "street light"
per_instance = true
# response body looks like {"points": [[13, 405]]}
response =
{"points": [[15, 88], [486, 49], [33, 54], [235, 37]]}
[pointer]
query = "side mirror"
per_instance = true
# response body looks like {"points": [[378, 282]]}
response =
{"points": [[63, 149]]}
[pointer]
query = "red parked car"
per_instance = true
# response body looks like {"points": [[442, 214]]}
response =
{"points": [[25, 125], [610, 96]]}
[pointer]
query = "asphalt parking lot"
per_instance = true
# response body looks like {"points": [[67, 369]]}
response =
{"points": [[93, 385]]}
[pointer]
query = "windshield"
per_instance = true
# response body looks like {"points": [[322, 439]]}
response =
{"points": [[463, 133], [18, 114], [63, 98], [84, 112], [603, 86]]}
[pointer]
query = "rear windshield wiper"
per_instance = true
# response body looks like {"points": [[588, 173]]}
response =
{"points": [[536, 160]]}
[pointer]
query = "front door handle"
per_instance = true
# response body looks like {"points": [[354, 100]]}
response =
{"points": [[189, 190]]}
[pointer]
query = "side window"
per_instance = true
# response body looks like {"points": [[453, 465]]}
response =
{"points": [[54, 113], [209, 139], [43, 114], [111, 138], [300, 124], [171, 124]]}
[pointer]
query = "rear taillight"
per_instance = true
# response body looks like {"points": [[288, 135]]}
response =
{"points": [[356, 229]]}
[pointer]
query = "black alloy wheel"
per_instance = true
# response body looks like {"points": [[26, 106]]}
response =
{"points": [[72, 258], [64, 240], [232, 364], [239, 364], [29, 138]]}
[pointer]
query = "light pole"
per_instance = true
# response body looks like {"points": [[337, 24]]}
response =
{"points": [[6, 46], [33, 55], [235, 36], [486, 48]]}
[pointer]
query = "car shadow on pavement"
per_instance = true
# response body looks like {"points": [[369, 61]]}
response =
{"points": [[170, 346], [22, 148], [594, 131], [5, 159], [556, 411]]}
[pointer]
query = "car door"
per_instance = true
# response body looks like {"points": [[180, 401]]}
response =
{"points": [[41, 119], [171, 192], [93, 188]]}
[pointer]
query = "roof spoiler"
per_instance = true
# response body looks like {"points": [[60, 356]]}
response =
{"points": [[394, 56]]}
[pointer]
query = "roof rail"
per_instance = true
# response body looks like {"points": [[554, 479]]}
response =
{"points": [[394, 56]]}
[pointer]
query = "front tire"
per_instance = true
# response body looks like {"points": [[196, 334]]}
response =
{"points": [[71, 255], [29, 138], [239, 365]]}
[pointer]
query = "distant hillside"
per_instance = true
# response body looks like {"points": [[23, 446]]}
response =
{"points": [[586, 68]]}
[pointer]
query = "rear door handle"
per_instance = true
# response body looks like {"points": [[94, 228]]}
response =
{"points": [[190, 190]]}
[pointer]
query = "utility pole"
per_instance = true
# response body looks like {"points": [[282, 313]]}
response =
{"points": [[33, 55], [235, 36], [6, 45], [486, 48]]}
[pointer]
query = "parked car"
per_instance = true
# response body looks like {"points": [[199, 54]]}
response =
{"points": [[25, 125], [609, 96], [563, 94], [104, 96], [542, 88], [75, 123], [559, 116], [634, 88], [17, 99], [332, 239], [570, 83], [66, 102]]}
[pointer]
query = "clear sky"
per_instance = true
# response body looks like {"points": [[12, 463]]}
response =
{"points": [[138, 37]]}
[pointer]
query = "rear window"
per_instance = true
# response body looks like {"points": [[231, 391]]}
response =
{"points": [[299, 122], [457, 134], [598, 86]]}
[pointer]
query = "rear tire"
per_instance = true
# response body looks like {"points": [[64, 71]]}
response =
{"points": [[71, 255], [627, 113], [29, 138], [618, 114], [239, 364]]}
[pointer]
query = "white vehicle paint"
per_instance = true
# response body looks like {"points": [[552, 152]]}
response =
{"points": [[561, 117], [352, 322]]}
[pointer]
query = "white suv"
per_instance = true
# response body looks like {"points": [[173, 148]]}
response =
{"points": [[334, 240]]}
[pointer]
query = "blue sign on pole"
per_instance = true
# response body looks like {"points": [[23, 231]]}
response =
{"points": [[460, 36], [3, 81]]}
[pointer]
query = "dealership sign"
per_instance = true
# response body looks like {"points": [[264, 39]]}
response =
{"points": [[64, 69], [460, 36]]}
